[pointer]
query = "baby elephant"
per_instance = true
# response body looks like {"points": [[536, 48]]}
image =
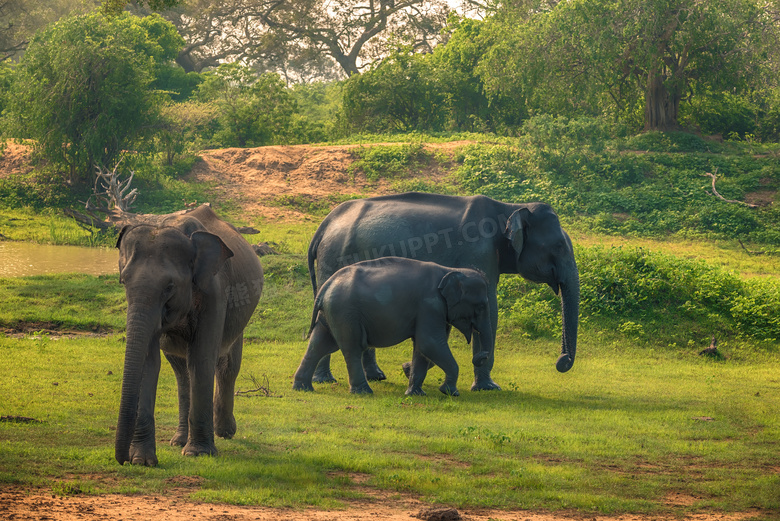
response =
{"points": [[380, 303]]}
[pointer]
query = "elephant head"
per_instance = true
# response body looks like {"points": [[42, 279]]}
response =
{"points": [[165, 273], [544, 254], [466, 295]]}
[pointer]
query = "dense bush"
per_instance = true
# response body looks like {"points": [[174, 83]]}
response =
{"points": [[636, 290], [623, 186], [82, 89]]}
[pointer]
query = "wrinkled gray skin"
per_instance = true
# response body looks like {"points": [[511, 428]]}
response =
{"points": [[459, 232], [191, 285], [383, 302]]}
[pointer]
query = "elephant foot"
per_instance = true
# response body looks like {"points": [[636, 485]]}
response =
{"points": [[415, 391], [179, 439], [407, 367], [485, 385], [143, 455], [303, 386], [225, 428], [374, 374], [449, 390], [324, 377], [361, 389], [199, 449]]}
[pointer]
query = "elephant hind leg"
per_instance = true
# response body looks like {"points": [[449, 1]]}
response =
{"points": [[228, 367], [321, 344]]}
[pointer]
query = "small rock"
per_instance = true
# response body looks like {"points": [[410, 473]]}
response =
{"points": [[248, 230], [439, 514], [264, 248]]}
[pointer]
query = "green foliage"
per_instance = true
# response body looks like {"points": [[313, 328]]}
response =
{"points": [[388, 161], [628, 186], [82, 92], [722, 113], [184, 129], [115, 7], [400, 94], [656, 288], [611, 57], [252, 110]]}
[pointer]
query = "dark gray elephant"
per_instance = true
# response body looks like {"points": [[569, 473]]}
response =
{"points": [[459, 232], [381, 303], [192, 284]]}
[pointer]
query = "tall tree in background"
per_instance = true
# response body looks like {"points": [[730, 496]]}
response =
{"points": [[621, 52], [302, 36], [19, 19], [81, 91], [114, 7]]}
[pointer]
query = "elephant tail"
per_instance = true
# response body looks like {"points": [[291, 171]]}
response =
{"points": [[312, 255], [315, 311]]}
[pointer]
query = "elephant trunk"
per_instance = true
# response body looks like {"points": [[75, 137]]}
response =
{"points": [[140, 330], [570, 302], [486, 342]]}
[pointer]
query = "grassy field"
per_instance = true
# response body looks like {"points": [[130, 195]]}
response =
{"points": [[632, 428], [641, 424]]}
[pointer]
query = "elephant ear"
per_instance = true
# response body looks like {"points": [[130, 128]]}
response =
{"points": [[451, 288], [210, 255], [515, 228]]}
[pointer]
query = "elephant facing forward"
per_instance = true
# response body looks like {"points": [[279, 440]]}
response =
{"points": [[384, 302], [192, 284]]}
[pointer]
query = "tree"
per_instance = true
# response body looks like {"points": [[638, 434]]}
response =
{"points": [[82, 88], [114, 7], [303, 40], [19, 19], [398, 95], [596, 53], [253, 110]]}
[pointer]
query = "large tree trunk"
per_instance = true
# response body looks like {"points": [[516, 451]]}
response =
{"points": [[661, 104]]}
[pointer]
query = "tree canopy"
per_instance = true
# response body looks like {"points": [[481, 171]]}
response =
{"points": [[606, 55], [82, 88]]}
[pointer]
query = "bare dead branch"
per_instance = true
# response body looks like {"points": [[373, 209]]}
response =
{"points": [[716, 194], [262, 389]]}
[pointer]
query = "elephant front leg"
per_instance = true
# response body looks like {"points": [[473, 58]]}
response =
{"points": [[438, 352], [227, 371], [485, 354], [200, 440], [179, 366], [143, 450], [321, 345]]}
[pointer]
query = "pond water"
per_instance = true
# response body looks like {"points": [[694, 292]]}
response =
{"points": [[19, 259]]}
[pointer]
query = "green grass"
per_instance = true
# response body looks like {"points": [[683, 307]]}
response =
{"points": [[71, 302], [619, 433], [633, 424], [49, 227]]}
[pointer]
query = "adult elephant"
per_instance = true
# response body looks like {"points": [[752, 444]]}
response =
{"points": [[459, 232], [192, 284]]}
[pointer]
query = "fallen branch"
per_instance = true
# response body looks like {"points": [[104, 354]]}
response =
{"points": [[749, 252], [716, 194], [263, 389]]}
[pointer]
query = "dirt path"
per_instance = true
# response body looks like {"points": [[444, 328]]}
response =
{"points": [[17, 503]]}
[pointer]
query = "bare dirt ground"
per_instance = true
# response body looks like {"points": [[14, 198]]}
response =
{"points": [[255, 179], [17, 503]]}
